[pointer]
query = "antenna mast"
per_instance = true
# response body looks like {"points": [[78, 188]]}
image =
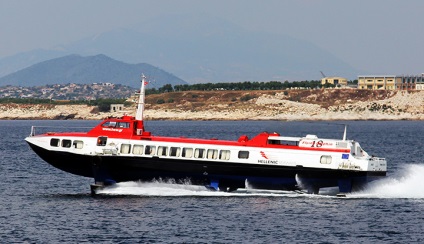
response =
{"points": [[140, 107], [344, 134], [140, 104]]}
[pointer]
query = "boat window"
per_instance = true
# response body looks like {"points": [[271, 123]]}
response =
{"points": [[66, 143], [212, 154], [54, 142], [78, 144], [101, 141], [243, 154], [162, 151], [125, 148], [224, 154], [325, 159], [123, 125], [109, 124], [174, 151], [283, 142], [187, 152], [274, 142], [150, 150], [138, 149], [199, 153]]}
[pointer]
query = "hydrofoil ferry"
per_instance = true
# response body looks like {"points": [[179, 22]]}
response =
{"points": [[120, 149]]}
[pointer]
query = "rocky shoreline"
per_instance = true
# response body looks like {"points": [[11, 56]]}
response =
{"points": [[400, 105]]}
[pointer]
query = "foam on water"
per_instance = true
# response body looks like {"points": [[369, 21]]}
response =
{"points": [[160, 188], [407, 183]]}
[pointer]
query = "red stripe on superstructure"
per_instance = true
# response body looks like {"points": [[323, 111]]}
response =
{"points": [[308, 148], [201, 141]]}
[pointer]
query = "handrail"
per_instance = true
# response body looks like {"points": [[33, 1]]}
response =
{"points": [[62, 127]]}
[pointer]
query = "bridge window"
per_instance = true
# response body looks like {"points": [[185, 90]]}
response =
{"points": [[224, 154], [138, 149], [109, 124], [123, 125], [114, 124], [243, 154], [187, 152], [78, 144], [125, 148], [66, 143], [54, 142]]}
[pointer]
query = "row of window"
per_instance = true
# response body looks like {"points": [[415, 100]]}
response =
{"points": [[114, 124], [185, 152], [372, 81], [54, 142]]}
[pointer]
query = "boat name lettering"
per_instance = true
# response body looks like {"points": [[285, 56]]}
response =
{"points": [[112, 129], [267, 161], [319, 143]]}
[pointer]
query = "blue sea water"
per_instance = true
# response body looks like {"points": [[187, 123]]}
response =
{"points": [[40, 204]]}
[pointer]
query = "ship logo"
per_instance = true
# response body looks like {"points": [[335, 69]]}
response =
{"points": [[263, 155]]}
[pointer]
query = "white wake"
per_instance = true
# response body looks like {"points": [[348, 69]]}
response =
{"points": [[406, 183], [161, 188]]}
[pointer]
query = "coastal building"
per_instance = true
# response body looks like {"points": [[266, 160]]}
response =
{"points": [[389, 82], [419, 86], [334, 81], [116, 107]]}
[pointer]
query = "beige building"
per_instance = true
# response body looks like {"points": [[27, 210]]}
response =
{"points": [[377, 82], [116, 107], [389, 82], [334, 81], [419, 86]]}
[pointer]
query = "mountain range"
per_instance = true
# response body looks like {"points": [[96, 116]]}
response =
{"points": [[198, 48], [91, 69]]}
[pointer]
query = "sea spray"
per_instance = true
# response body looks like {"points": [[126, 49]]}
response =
{"points": [[407, 183], [159, 188]]}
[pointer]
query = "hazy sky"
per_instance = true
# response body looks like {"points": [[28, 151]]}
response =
{"points": [[382, 36]]}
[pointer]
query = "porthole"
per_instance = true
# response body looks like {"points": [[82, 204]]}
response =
{"points": [[54, 142], [66, 143], [243, 154], [174, 151], [325, 159], [78, 144], [150, 150], [224, 154], [162, 151], [212, 154], [199, 153], [101, 141], [187, 152], [125, 148], [138, 149]]}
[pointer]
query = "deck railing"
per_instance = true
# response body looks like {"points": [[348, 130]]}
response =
{"points": [[56, 129]]}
